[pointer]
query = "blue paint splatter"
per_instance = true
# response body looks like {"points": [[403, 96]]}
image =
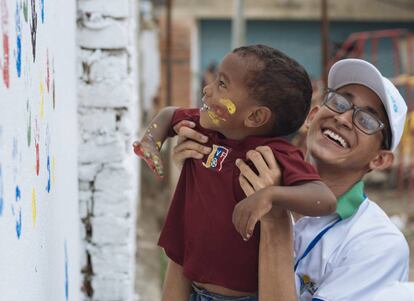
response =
{"points": [[48, 172], [19, 225], [18, 41], [66, 273], [18, 194], [42, 3], [1, 192], [19, 218]]}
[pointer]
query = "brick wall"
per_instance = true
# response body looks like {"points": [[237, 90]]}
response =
{"points": [[181, 56], [107, 110]]}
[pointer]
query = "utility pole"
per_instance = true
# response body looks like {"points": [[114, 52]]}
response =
{"points": [[238, 30], [325, 42]]}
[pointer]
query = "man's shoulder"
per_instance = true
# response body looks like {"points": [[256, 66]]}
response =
{"points": [[370, 225]]}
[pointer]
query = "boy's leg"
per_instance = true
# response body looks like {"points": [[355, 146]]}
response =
{"points": [[176, 285]]}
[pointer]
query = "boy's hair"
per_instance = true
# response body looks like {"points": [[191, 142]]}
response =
{"points": [[281, 84]]}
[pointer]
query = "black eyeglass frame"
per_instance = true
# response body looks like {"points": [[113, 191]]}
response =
{"points": [[356, 109]]}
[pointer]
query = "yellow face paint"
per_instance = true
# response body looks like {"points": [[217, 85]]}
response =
{"points": [[213, 117], [34, 207], [231, 107]]}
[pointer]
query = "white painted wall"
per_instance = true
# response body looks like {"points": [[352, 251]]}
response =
{"points": [[39, 224]]}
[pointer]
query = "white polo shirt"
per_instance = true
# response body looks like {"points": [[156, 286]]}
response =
{"points": [[399, 291], [358, 253]]}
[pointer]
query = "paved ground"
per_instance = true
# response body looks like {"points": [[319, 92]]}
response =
{"points": [[398, 205]]}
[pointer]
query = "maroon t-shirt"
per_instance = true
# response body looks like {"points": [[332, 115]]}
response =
{"points": [[198, 232]]}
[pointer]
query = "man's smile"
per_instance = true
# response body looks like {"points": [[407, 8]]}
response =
{"points": [[335, 137]]}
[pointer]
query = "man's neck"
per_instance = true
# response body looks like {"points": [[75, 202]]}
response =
{"points": [[339, 181]]}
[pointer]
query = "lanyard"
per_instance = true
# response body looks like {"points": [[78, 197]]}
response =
{"points": [[315, 241]]}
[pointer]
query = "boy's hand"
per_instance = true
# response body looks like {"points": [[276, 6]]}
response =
{"points": [[148, 150], [249, 211], [190, 143]]}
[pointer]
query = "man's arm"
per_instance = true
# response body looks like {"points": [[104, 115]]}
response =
{"points": [[150, 145], [311, 199], [276, 275], [176, 285]]}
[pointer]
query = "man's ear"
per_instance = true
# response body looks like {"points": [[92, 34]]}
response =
{"points": [[311, 115], [382, 160], [257, 117]]}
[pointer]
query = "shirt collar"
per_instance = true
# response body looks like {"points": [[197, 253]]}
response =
{"points": [[348, 203]]}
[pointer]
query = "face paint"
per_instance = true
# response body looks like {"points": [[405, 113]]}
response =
{"points": [[213, 117], [231, 107]]}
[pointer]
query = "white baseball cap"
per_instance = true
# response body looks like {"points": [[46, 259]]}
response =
{"points": [[356, 71]]}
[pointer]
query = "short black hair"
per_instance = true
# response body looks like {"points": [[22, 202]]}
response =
{"points": [[280, 83]]}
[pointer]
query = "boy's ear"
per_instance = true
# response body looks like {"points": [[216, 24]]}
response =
{"points": [[311, 115], [257, 117], [382, 160]]}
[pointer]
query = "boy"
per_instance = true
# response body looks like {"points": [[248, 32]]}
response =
{"points": [[259, 95]]}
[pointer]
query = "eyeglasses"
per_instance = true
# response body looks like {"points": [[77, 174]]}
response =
{"points": [[363, 119]]}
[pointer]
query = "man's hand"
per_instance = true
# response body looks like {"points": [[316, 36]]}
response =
{"points": [[269, 172], [190, 143], [249, 211]]}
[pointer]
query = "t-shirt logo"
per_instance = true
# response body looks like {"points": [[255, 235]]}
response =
{"points": [[306, 284], [216, 157]]}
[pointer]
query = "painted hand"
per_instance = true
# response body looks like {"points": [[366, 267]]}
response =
{"points": [[148, 150], [249, 211]]}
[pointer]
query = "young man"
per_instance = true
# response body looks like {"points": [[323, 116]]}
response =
{"points": [[352, 254]]}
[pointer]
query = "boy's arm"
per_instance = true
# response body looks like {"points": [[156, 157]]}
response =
{"points": [[176, 285], [150, 145]]}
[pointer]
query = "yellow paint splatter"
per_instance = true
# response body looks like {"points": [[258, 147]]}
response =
{"points": [[34, 207], [53, 171], [213, 116], [231, 107], [42, 100]]}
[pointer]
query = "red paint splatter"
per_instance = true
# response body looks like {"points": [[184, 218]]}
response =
{"points": [[4, 28]]}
